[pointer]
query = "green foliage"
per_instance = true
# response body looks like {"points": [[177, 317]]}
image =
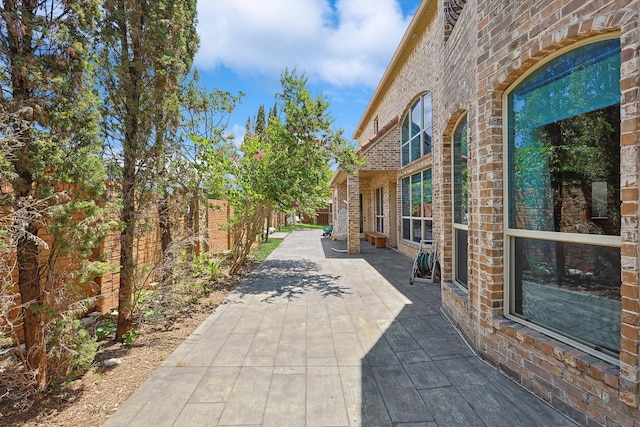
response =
{"points": [[283, 164], [105, 330], [129, 337], [71, 348], [265, 248], [205, 264]]}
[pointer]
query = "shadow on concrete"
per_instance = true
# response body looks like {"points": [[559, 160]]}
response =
{"points": [[421, 372], [277, 279]]}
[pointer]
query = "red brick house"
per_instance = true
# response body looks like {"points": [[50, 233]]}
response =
{"points": [[508, 132]]}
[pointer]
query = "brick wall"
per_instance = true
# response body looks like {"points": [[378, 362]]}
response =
{"points": [[147, 251], [467, 69], [219, 237]]}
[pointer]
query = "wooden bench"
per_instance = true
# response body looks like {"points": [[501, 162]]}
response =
{"points": [[377, 239]]}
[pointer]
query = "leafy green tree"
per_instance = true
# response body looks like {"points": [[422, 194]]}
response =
{"points": [[53, 173], [285, 167]]}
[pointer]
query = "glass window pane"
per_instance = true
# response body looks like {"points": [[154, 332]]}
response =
{"points": [[416, 230], [427, 196], [405, 141], [405, 130], [427, 124], [461, 248], [582, 80], [406, 229], [406, 157], [406, 198], [427, 230], [564, 144], [416, 195], [416, 119], [415, 148], [566, 175], [571, 288], [460, 173]]}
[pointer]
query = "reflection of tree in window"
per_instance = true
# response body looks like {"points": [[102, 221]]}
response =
{"points": [[564, 177], [461, 173]]}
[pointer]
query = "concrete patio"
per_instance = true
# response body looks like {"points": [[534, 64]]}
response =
{"points": [[320, 338]]}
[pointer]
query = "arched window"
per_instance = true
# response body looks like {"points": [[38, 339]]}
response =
{"points": [[417, 129], [460, 201], [563, 197]]}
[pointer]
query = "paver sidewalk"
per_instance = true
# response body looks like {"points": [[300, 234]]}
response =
{"points": [[319, 338]]}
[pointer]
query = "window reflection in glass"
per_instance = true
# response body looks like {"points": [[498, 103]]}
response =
{"points": [[417, 206], [564, 147], [460, 174], [416, 131], [563, 170], [570, 288]]}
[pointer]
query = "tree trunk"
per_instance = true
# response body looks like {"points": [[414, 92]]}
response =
{"points": [[266, 234], [164, 220], [31, 292], [163, 205], [127, 266], [196, 223], [21, 51], [132, 87]]}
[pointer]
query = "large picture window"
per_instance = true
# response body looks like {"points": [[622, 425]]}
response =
{"points": [[417, 207], [563, 191], [460, 202], [417, 130]]}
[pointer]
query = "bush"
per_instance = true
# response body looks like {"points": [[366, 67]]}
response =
{"points": [[71, 349]]}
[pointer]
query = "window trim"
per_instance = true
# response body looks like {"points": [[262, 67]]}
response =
{"points": [[455, 227], [510, 234]]}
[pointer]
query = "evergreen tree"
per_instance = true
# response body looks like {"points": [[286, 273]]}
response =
{"points": [[54, 172], [143, 44]]}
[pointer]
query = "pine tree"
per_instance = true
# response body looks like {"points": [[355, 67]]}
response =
{"points": [[54, 170]]}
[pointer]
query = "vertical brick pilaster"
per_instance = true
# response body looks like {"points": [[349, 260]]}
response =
{"points": [[629, 191], [353, 211]]}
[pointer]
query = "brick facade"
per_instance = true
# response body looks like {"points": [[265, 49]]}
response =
{"points": [[147, 252], [468, 68]]}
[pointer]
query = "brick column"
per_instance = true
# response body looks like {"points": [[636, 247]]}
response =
{"points": [[353, 214], [630, 189]]}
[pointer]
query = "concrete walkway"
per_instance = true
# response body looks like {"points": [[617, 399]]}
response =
{"points": [[319, 338]]}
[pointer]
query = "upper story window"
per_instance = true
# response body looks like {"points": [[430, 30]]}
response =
{"points": [[417, 130], [376, 125]]}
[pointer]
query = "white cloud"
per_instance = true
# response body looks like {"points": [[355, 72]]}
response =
{"points": [[345, 44], [237, 132]]}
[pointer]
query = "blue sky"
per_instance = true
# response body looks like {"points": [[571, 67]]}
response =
{"points": [[343, 46]]}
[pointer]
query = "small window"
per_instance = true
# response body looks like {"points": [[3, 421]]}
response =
{"points": [[376, 125]]}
